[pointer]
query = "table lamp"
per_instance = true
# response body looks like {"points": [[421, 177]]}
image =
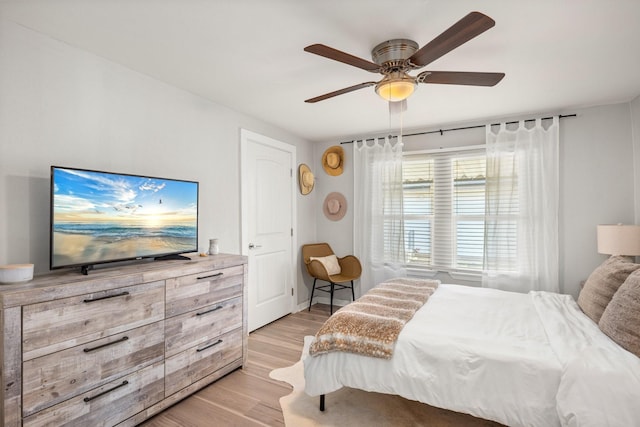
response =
{"points": [[619, 239]]}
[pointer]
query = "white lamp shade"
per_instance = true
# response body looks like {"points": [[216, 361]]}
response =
{"points": [[619, 239]]}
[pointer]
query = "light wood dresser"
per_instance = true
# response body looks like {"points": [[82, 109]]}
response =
{"points": [[121, 344]]}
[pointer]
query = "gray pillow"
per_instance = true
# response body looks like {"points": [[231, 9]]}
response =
{"points": [[603, 283], [621, 319]]}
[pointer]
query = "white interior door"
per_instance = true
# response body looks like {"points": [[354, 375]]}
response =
{"points": [[268, 206]]}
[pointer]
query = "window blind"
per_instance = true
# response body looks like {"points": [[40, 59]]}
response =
{"points": [[444, 209]]}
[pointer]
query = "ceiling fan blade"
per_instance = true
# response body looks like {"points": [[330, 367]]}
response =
{"points": [[340, 92], [461, 32], [459, 78], [337, 55]]}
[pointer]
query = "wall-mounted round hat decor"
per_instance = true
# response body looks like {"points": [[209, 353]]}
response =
{"points": [[334, 206], [333, 160], [305, 179]]}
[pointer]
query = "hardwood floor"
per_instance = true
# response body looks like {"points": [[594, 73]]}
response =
{"points": [[248, 397]]}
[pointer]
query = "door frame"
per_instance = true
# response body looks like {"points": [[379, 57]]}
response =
{"points": [[245, 136]]}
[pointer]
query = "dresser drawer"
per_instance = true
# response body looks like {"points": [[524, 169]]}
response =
{"points": [[50, 379], [195, 291], [202, 325], [60, 324], [197, 362], [107, 405]]}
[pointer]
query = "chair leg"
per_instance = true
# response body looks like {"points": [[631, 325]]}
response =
{"points": [[332, 285], [312, 291], [353, 293]]}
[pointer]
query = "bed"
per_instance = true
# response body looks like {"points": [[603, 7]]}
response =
{"points": [[519, 359]]}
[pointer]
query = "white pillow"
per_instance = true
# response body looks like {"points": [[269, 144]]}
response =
{"points": [[330, 264]]}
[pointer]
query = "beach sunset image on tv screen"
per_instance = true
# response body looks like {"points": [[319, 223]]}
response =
{"points": [[99, 217]]}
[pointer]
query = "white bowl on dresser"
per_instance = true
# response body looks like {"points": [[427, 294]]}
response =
{"points": [[14, 273]]}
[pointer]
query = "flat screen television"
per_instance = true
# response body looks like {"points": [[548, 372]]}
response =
{"points": [[100, 217]]}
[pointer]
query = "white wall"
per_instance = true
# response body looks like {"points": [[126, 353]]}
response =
{"points": [[339, 234], [635, 134], [596, 183], [63, 106], [596, 186]]}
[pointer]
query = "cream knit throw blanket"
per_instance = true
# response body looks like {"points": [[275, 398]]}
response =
{"points": [[370, 326]]}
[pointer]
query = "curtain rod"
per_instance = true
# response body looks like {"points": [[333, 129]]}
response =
{"points": [[442, 131]]}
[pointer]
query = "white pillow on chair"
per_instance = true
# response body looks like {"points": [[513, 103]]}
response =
{"points": [[330, 263]]}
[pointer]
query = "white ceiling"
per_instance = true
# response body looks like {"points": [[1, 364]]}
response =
{"points": [[248, 54]]}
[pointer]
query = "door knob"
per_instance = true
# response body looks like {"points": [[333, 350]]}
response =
{"points": [[252, 246]]}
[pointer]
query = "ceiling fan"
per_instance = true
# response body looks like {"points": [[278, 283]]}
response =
{"points": [[394, 59]]}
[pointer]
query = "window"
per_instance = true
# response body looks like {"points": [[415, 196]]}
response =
{"points": [[444, 210]]}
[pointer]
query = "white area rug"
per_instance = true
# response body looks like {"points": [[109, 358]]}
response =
{"points": [[350, 407]]}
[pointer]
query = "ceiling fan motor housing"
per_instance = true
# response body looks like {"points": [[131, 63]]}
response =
{"points": [[392, 55]]}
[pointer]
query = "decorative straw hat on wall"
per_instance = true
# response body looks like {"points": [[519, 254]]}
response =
{"points": [[305, 179], [335, 206], [333, 160]]}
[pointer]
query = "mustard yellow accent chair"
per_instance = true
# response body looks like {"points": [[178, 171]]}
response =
{"points": [[350, 270]]}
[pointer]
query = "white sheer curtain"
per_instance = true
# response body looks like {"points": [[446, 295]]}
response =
{"points": [[521, 216], [378, 222]]}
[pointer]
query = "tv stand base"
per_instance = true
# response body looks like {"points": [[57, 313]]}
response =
{"points": [[171, 257]]}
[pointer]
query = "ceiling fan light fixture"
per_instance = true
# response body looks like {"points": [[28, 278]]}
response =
{"points": [[395, 58], [396, 87]]}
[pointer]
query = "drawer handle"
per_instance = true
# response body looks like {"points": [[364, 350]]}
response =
{"points": [[208, 346], [209, 311], [89, 399], [211, 276], [106, 297], [87, 350]]}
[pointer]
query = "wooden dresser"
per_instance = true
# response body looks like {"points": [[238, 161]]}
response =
{"points": [[121, 344]]}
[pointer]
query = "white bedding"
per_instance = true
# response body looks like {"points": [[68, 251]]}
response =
{"points": [[493, 354], [600, 388]]}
